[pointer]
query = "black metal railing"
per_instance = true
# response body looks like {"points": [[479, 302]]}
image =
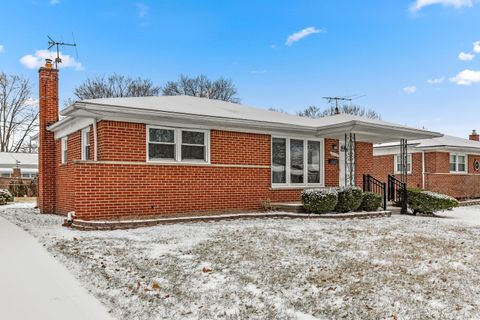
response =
{"points": [[397, 192], [370, 184]]}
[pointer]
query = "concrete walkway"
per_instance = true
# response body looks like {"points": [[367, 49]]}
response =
{"points": [[33, 285]]}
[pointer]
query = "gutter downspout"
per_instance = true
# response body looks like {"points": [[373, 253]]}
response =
{"points": [[95, 140], [423, 169]]}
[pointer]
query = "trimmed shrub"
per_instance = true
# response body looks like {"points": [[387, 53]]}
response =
{"points": [[429, 202], [371, 201], [5, 196], [320, 200], [349, 199]]}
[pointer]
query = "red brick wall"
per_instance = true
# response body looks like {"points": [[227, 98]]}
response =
{"points": [[121, 141], [437, 177], [227, 147], [363, 161], [112, 190], [239, 177], [384, 166], [65, 186], [48, 108], [331, 169]]}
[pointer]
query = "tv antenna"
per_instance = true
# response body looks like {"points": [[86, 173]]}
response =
{"points": [[52, 43], [337, 98]]}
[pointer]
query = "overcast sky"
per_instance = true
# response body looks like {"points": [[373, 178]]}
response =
{"points": [[416, 62]]}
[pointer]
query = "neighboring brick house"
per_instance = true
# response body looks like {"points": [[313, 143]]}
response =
{"points": [[447, 164], [131, 157]]}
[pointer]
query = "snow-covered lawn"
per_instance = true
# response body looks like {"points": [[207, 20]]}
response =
{"points": [[401, 267]]}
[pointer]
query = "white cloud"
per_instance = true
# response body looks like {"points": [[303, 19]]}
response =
{"points": [[38, 60], [466, 77], [410, 89], [258, 71], [297, 36], [54, 2], [436, 80], [2, 49], [419, 4], [476, 46], [30, 102], [466, 56], [142, 9]]}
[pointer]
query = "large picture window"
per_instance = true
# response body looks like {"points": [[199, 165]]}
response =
{"points": [[296, 162], [173, 144], [458, 162]]}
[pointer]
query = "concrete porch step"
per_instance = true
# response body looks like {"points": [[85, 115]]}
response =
{"points": [[287, 207]]}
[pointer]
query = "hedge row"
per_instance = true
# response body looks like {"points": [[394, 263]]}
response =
{"points": [[340, 200], [429, 202]]}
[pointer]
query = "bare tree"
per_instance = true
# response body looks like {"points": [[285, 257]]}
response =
{"points": [[311, 112], [279, 110], [200, 86], [18, 113], [353, 109], [115, 86]]}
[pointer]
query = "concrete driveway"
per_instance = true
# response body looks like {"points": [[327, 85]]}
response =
{"points": [[33, 285], [468, 215]]}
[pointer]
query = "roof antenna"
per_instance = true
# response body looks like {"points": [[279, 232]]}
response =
{"points": [[52, 43], [337, 98]]}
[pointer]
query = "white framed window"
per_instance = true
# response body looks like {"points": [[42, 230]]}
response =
{"points": [[398, 164], [86, 144], [458, 162], [297, 162], [177, 145], [64, 149]]}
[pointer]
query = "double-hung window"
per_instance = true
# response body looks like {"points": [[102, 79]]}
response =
{"points": [[398, 163], [86, 144], [177, 145], [296, 162], [458, 162], [64, 149]]}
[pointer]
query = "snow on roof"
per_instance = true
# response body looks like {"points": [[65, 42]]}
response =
{"points": [[204, 107], [189, 105], [441, 142], [11, 158]]}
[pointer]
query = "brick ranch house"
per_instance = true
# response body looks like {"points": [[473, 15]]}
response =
{"points": [[447, 164], [132, 157]]}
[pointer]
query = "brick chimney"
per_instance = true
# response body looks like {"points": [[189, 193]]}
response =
{"points": [[48, 114], [474, 136]]}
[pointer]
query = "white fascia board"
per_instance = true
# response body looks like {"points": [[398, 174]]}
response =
{"points": [[71, 126], [472, 151], [393, 151]]}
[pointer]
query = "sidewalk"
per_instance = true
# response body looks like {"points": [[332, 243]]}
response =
{"points": [[33, 285]]}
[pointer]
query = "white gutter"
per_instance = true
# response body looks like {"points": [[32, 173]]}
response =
{"points": [[95, 144]]}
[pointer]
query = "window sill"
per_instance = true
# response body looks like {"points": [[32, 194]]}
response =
{"points": [[293, 187]]}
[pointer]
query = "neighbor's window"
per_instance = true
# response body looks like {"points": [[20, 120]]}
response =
{"points": [[398, 164], [458, 162], [169, 144], [64, 149], [296, 161], [86, 144]]}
